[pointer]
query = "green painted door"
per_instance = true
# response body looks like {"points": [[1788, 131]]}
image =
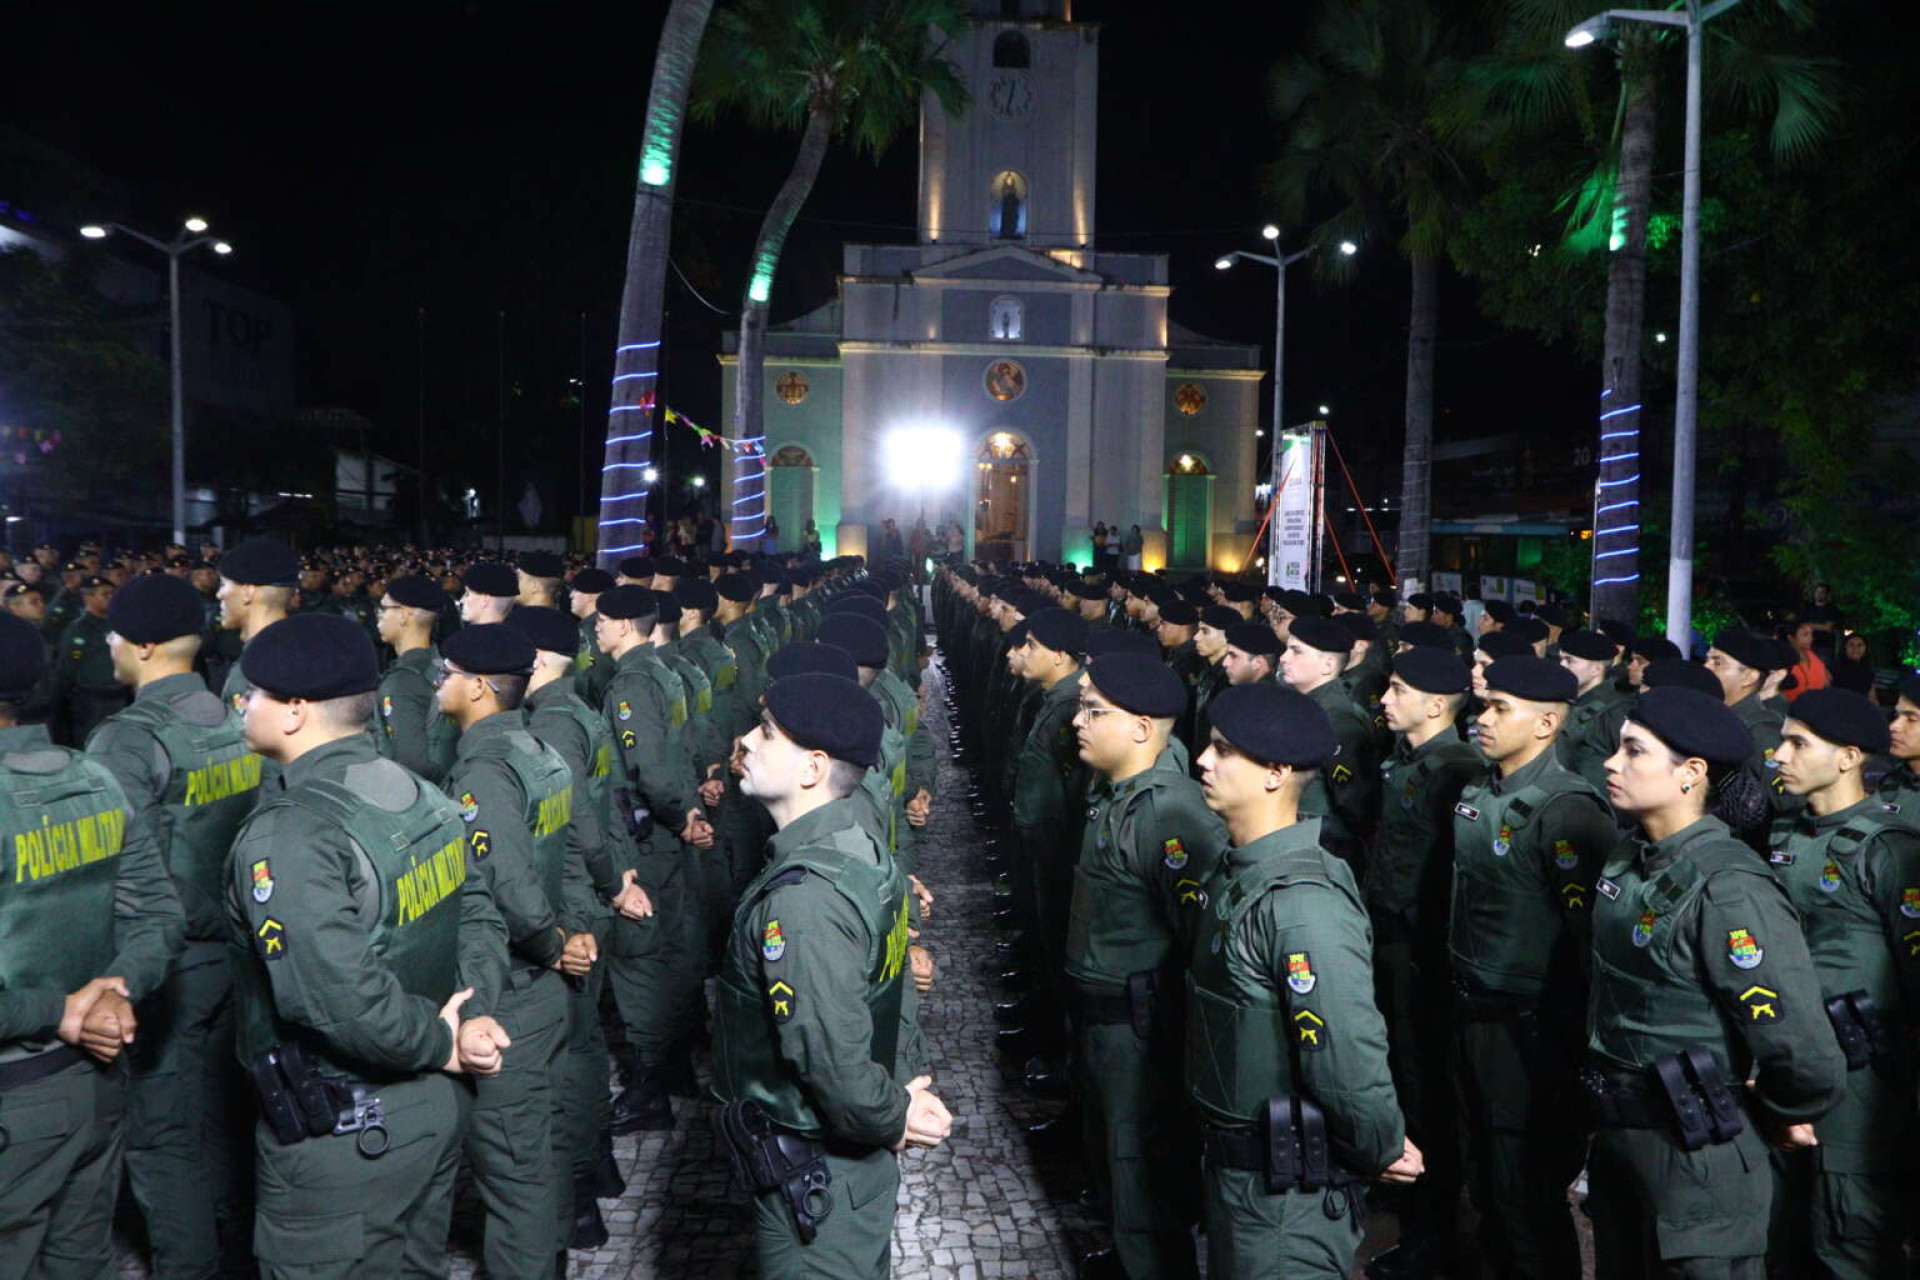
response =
{"points": [[1189, 519], [790, 499]]}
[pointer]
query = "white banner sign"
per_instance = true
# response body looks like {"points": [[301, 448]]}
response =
{"points": [[1296, 512]]}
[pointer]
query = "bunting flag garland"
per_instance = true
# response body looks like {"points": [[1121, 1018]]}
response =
{"points": [[708, 439], [17, 442]]}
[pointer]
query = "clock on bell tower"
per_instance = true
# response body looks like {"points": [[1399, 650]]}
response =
{"points": [[1018, 165]]}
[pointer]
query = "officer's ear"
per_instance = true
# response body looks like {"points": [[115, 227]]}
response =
{"points": [[1278, 775], [1849, 758]]}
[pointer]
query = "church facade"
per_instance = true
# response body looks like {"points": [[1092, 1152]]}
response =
{"points": [[1040, 376]]}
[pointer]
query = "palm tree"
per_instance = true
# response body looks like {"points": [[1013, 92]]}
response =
{"points": [[636, 360], [1530, 82], [1360, 107], [853, 68]]}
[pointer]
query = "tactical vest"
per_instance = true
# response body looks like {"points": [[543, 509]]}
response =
{"points": [[1408, 830], [672, 692], [1240, 1050], [599, 796], [747, 1061], [1114, 927], [1506, 912], [546, 786], [417, 857], [1316, 801], [443, 735], [693, 679], [63, 821], [1647, 998], [212, 784]]}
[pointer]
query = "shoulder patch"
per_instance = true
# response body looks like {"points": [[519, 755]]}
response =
{"points": [[1743, 950], [482, 842], [1762, 1005], [1341, 773], [386, 705], [773, 942], [1311, 1030], [624, 710], [1301, 978], [273, 939], [469, 807], [780, 999], [1910, 902], [627, 739], [262, 876], [1176, 853], [1564, 855]]}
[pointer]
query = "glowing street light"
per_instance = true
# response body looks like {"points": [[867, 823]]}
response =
{"points": [[651, 475], [699, 481], [189, 238], [1325, 409]]}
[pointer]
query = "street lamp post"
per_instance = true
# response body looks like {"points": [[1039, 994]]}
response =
{"points": [[1693, 19], [190, 237], [1279, 261]]}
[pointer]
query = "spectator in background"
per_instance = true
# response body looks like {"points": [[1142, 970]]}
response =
{"points": [[1825, 617], [1100, 545], [1808, 670], [770, 543], [811, 540], [1132, 547], [1853, 667]]}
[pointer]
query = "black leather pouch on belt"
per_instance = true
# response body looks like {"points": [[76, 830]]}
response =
{"points": [[768, 1158], [1858, 1027], [1295, 1132], [1704, 1109]]}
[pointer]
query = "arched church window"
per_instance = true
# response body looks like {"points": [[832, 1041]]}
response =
{"points": [[1010, 49], [1007, 214], [1004, 320]]}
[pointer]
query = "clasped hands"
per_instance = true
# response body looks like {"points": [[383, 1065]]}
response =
{"points": [[99, 1018]]}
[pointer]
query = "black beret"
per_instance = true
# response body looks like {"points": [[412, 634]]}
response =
{"points": [[1678, 673], [591, 581], [1420, 600], [1428, 635], [1655, 648], [863, 638], [669, 567], [1748, 648], [491, 579], [417, 591], [1532, 630], [1358, 625], [1058, 630], [1385, 599], [1323, 634], [1296, 601], [1237, 591], [1534, 679], [696, 594], [94, 582], [1349, 599], [667, 609], [636, 567], [825, 657], [1273, 725], [258, 562], [1500, 611], [1910, 688], [737, 587], [19, 589], [1693, 724], [1255, 639], [766, 572], [23, 657], [1551, 614], [1134, 682], [1618, 632], [862, 605], [316, 656], [1842, 717], [1590, 645], [1179, 613], [627, 602], [1105, 640], [1447, 602], [542, 564], [1088, 590], [544, 628], [491, 649], [1432, 671], [155, 609], [1220, 617], [1017, 634], [828, 713]]}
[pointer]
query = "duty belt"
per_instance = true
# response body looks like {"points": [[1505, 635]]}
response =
{"points": [[26, 1071], [1623, 1102], [1102, 1008], [1473, 1005]]}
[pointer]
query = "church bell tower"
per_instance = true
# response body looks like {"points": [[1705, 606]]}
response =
{"points": [[1018, 166]]}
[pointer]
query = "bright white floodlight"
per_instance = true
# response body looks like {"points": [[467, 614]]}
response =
{"points": [[196, 225], [923, 458], [1349, 248], [1595, 28], [93, 231]]}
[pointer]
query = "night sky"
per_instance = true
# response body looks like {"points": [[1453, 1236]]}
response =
{"points": [[369, 162]]}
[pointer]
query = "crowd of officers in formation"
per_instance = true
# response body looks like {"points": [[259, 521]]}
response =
{"points": [[1316, 902], [317, 876]]}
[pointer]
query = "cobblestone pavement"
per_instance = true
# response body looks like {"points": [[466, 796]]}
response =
{"points": [[985, 1204]]}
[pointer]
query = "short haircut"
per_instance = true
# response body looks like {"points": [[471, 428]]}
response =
{"points": [[352, 711], [511, 690], [844, 778]]}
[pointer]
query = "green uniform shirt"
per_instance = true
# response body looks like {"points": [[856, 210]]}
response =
{"points": [[411, 729], [81, 659], [1592, 733], [502, 848], [1412, 852], [646, 708], [1347, 792], [1900, 790], [1047, 774]]}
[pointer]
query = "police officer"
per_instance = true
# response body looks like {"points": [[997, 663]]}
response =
{"points": [[182, 762], [1286, 1053], [1528, 837], [1409, 868], [1251, 655], [1706, 1040], [1900, 787], [516, 798], [1147, 847], [1347, 792], [83, 681], [540, 579], [256, 586], [591, 672], [88, 923], [1852, 871], [488, 592], [809, 999], [1589, 736], [655, 962], [595, 882], [365, 949], [410, 728], [1743, 662]]}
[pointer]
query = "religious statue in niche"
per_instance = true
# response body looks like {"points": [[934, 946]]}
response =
{"points": [[1009, 213], [792, 386], [1004, 320], [1006, 380], [1190, 398]]}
